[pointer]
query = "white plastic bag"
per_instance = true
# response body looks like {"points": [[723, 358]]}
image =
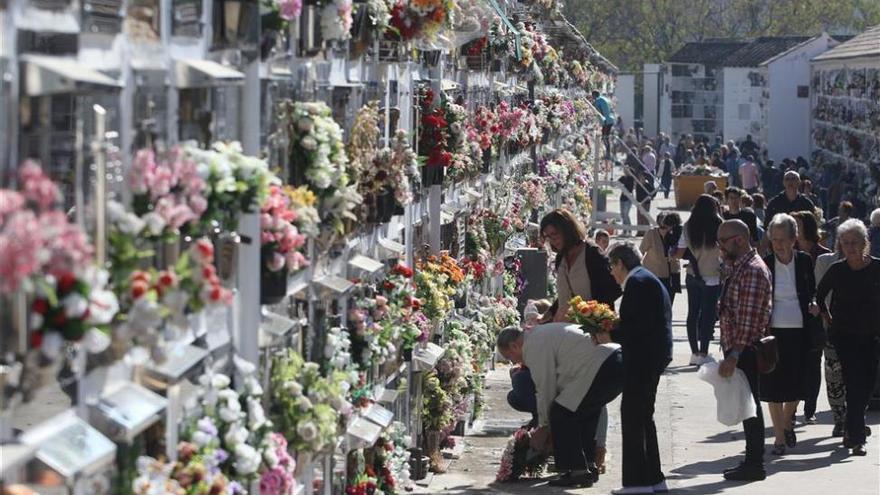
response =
{"points": [[734, 395]]}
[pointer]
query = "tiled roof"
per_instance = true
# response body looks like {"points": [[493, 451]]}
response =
{"points": [[864, 45], [709, 52], [762, 49]]}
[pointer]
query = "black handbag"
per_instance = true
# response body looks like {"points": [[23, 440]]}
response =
{"points": [[767, 351]]}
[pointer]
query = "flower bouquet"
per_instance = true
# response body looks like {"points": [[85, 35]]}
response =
{"points": [[519, 460], [45, 255], [434, 139], [594, 317], [281, 245], [411, 19], [306, 406], [236, 183], [169, 192], [318, 160], [233, 435]]}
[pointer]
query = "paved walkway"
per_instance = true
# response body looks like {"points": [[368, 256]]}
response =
{"points": [[694, 446]]}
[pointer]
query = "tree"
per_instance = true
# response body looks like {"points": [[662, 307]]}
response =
{"points": [[633, 32]]}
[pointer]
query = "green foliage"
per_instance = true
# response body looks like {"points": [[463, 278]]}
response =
{"points": [[631, 33]]}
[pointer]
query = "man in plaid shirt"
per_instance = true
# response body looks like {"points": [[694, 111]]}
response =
{"points": [[744, 313]]}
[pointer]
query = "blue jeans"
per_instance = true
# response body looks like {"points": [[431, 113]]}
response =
{"points": [[625, 207], [522, 396], [702, 313]]}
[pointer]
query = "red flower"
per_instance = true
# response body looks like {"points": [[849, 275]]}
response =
{"points": [[40, 306], [36, 340], [138, 289], [167, 279], [66, 283], [402, 270], [59, 319], [388, 286]]}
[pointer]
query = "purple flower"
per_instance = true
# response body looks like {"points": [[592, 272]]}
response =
{"points": [[206, 425], [220, 456], [236, 488]]}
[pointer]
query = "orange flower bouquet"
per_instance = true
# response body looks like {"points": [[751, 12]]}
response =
{"points": [[594, 317]]}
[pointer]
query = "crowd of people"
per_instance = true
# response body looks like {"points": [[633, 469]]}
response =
{"points": [[754, 267]]}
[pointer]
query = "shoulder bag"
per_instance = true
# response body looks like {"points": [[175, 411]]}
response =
{"points": [[767, 352]]}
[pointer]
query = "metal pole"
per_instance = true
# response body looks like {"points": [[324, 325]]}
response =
{"points": [[99, 150]]}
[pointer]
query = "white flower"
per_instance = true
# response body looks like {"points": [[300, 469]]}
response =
{"points": [[294, 388], [256, 415], [145, 315], [237, 434], [230, 410], [270, 457], [304, 124], [308, 431], [37, 321], [52, 343], [304, 403], [155, 223], [103, 306], [253, 387], [95, 341], [247, 459], [215, 380], [75, 305], [310, 367], [309, 143], [201, 438]]}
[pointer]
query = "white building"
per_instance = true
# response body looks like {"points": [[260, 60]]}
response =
{"points": [[786, 107], [845, 121]]}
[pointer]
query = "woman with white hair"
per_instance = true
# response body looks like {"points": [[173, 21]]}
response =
{"points": [[854, 321], [794, 288], [874, 233]]}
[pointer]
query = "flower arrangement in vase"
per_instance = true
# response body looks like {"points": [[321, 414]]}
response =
{"points": [[419, 19], [232, 433], [434, 139], [281, 245], [384, 175], [306, 405], [236, 183], [49, 258], [319, 161], [170, 192]]}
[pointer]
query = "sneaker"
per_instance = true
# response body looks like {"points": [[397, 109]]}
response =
{"points": [[867, 431], [746, 472], [627, 490], [695, 360], [859, 450], [811, 420], [661, 487]]}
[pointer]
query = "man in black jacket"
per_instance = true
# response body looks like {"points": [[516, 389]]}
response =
{"points": [[645, 334]]}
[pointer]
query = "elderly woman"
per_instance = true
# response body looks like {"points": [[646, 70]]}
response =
{"points": [[854, 319], [794, 288], [834, 386], [808, 241]]}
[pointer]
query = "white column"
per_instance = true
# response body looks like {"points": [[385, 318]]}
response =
{"points": [[245, 340]]}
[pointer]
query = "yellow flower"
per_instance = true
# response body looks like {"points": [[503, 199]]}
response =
{"points": [[301, 196]]}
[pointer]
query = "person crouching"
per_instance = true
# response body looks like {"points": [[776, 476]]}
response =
{"points": [[574, 379]]}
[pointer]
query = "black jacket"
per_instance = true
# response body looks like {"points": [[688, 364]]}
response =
{"points": [[603, 287], [645, 331], [805, 280]]}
